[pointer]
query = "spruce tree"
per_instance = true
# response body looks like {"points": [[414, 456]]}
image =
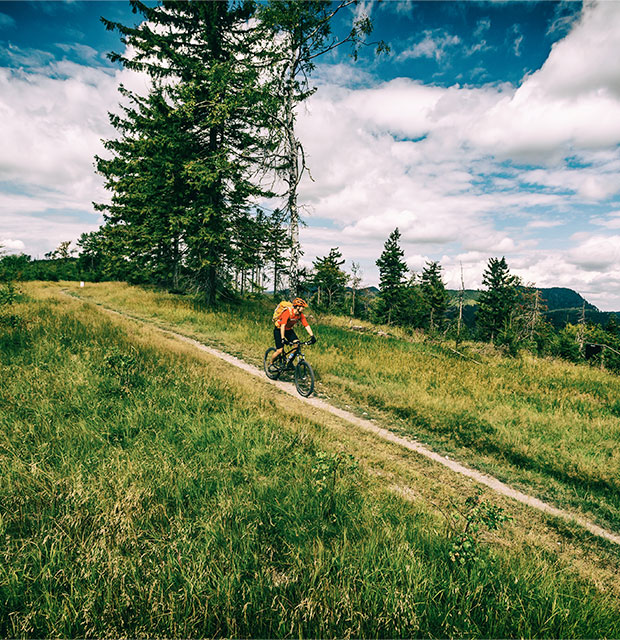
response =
{"points": [[330, 280], [390, 305], [148, 194], [205, 59], [434, 295], [498, 301], [277, 249]]}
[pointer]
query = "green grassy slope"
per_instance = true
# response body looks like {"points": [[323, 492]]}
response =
{"points": [[547, 426], [149, 491]]}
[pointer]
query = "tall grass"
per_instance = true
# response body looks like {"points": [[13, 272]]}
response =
{"points": [[546, 425], [144, 495]]}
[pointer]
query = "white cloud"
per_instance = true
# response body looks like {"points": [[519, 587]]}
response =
{"points": [[435, 44], [588, 183], [53, 115], [445, 166], [52, 127], [8, 245], [566, 12], [36, 235], [544, 224], [611, 221], [597, 253], [518, 40], [81, 50], [482, 26]]}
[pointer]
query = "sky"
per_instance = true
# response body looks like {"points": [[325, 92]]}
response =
{"points": [[491, 129]]}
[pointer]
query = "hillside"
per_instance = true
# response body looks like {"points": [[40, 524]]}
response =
{"points": [[564, 306], [152, 490]]}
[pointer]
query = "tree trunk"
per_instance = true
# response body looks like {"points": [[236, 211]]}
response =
{"points": [[293, 177], [175, 263]]}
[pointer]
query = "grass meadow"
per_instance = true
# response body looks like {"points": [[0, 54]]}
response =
{"points": [[546, 426], [151, 491]]}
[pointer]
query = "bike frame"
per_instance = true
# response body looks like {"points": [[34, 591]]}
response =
{"points": [[293, 353], [291, 359]]}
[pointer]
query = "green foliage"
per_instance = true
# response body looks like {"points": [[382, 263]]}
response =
{"points": [[498, 300], [330, 281], [21, 268], [123, 367], [434, 296], [566, 345], [277, 248], [326, 470], [188, 160], [467, 525], [391, 303], [613, 327], [8, 293]]}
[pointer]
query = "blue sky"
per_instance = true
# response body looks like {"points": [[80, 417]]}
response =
{"points": [[492, 128]]}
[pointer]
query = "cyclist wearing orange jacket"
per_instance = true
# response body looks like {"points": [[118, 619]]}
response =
{"points": [[283, 332]]}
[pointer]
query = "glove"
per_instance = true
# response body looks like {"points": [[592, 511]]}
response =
{"points": [[286, 341], [312, 339]]}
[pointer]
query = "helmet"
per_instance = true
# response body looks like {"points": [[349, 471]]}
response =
{"points": [[299, 302]]}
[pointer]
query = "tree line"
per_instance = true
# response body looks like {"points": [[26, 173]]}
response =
{"points": [[509, 313]]}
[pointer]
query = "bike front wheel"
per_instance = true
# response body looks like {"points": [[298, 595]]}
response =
{"points": [[304, 378], [274, 370]]}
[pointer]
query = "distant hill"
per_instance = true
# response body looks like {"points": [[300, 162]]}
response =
{"points": [[562, 298], [563, 306]]}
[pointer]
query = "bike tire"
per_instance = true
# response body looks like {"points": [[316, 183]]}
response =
{"points": [[271, 371], [304, 379]]}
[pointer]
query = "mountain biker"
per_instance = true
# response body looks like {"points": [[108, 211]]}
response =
{"points": [[283, 332]]}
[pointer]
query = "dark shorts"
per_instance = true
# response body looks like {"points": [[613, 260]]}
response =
{"points": [[289, 334]]}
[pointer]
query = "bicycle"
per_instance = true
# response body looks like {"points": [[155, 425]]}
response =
{"points": [[304, 375]]}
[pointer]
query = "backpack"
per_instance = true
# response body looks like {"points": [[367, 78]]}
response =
{"points": [[280, 309]]}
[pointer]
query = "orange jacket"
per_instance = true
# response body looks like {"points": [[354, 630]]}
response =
{"points": [[290, 319]]}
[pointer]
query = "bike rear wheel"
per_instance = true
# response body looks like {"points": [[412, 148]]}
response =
{"points": [[304, 378], [274, 370]]}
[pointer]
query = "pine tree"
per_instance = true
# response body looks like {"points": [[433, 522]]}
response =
{"points": [[434, 295], [498, 301], [356, 279], [205, 59], [390, 306], [277, 249], [330, 280], [531, 329], [144, 177], [612, 327]]}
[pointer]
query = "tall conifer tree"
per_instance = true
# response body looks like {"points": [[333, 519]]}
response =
{"points": [[206, 59], [393, 270], [498, 301], [302, 31], [434, 295], [330, 280]]}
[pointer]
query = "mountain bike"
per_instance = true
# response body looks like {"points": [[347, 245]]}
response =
{"points": [[291, 360]]}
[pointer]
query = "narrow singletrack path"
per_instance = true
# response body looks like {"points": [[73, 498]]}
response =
{"points": [[372, 427]]}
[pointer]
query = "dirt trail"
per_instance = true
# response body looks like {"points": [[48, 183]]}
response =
{"points": [[370, 426]]}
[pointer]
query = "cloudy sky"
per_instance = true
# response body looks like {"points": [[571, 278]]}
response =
{"points": [[491, 129]]}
